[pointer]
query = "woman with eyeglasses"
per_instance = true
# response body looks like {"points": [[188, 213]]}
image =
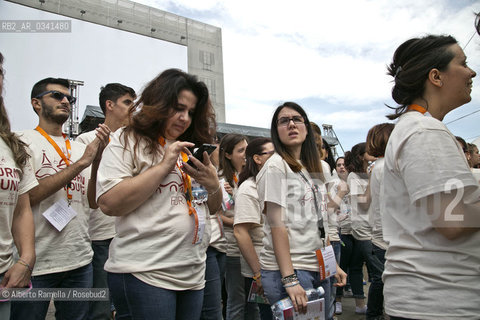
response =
{"points": [[288, 188], [248, 220], [431, 198], [156, 263], [16, 219]]}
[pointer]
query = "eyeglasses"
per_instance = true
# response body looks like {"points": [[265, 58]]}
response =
{"points": [[266, 152], [285, 121], [57, 95]]}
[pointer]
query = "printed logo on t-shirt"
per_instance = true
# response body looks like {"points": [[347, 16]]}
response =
{"points": [[175, 187], [48, 168], [9, 180]]}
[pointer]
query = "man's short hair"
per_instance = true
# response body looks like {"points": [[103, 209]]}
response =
{"points": [[41, 86], [112, 92]]}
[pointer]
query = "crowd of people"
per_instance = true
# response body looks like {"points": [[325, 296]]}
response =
{"points": [[254, 222]]}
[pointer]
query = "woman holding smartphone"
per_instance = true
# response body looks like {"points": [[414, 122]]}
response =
{"points": [[288, 191], [156, 264]]}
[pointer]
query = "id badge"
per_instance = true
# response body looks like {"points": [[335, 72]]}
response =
{"points": [[326, 262], [60, 214]]}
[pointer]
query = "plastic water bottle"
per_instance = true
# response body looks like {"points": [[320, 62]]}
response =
{"points": [[199, 193]]}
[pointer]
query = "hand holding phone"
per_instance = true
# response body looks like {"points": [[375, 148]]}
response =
{"points": [[199, 153]]}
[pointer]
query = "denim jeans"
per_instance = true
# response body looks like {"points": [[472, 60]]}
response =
{"points": [[135, 299], [274, 290], [235, 285], [214, 277], [375, 257], [71, 310], [337, 247], [4, 306], [351, 261], [99, 310]]}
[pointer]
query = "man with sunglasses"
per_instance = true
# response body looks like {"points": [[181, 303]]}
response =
{"points": [[116, 101], [59, 203]]}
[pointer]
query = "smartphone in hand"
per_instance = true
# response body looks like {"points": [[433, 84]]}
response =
{"points": [[199, 152]]}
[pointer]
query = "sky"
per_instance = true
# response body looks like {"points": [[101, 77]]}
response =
{"points": [[328, 56]]}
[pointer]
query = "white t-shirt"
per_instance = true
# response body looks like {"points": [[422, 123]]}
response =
{"points": [[277, 183], [376, 183], [426, 275], [247, 210], [13, 183], [100, 226], [217, 239], [153, 242], [71, 248], [232, 249], [343, 213], [361, 229]]}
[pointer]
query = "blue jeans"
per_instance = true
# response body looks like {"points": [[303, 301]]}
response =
{"points": [[71, 310], [375, 257], [274, 290], [4, 306], [235, 285], [214, 277], [135, 299], [100, 309]]}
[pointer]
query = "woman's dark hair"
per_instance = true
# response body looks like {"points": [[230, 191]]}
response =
{"points": [[309, 155], [157, 104], [227, 144], [377, 139], [329, 159], [256, 146], [17, 146], [412, 62], [463, 143], [477, 23], [354, 160]]}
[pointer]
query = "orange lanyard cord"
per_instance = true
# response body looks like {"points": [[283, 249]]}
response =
{"points": [[62, 155], [418, 108]]}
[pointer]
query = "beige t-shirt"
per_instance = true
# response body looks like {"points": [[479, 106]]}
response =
{"points": [[376, 183], [13, 183], [71, 248], [217, 239], [278, 184], [232, 249], [361, 229], [426, 275], [342, 215], [247, 210], [153, 242], [100, 226]]}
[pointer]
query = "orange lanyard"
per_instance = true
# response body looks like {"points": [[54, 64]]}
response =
{"points": [[187, 185], [418, 108], [235, 178], [65, 158]]}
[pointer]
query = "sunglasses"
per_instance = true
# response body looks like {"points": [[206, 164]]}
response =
{"points": [[57, 95], [285, 121]]}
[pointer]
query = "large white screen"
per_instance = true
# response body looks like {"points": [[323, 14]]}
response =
{"points": [[92, 53]]}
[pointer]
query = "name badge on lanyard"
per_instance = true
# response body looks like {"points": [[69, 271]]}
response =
{"points": [[326, 262]]}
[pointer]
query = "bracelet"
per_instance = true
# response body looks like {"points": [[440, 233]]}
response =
{"points": [[289, 279], [291, 284], [24, 263], [255, 278], [214, 192]]}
